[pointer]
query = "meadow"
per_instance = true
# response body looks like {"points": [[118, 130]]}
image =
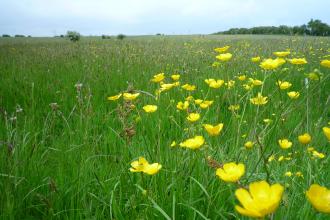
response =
{"points": [[75, 129]]}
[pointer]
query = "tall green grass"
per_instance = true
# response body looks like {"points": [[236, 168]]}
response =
{"points": [[72, 161]]}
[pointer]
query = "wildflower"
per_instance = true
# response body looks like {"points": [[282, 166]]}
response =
{"points": [[193, 143], [213, 130], [298, 61], [259, 100], [230, 84], [175, 77], [325, 63], [288, 173], [142, 165], [198, 101], [188, 87], [224, 56], [304, 138], [255, 82], [282, 53], [192, 117], [255, 59], [182, 105], [280, 158], [221, 49], [247, 87], [319, 197], [130, 96], [326, 132], [214, 83], [189, 98], [173, 144], [270, 64], [158, 77], [271, 158], [231, 172], [299, 174], [285, 143], [115, 97], [284, 85], [318, 154], [205, 104], [233, 107], [293, 94], [150, 108], [261, 199], [249, 144], [268, 120], [166, 86], [241, 77]]}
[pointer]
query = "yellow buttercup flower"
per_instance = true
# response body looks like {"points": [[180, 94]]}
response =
{"points": [[214, 83], [249, 144], [261, 199], [255, 82], [282, 53], [259, 100], [319, 197], [255, 59], [182, 105], [158, 77], [318, 154], [288, 173], [285, 143], [115, 97], [224, 56], [270, 64], [167, 86], [298, 61], [231, 172], [304, 138], [142, 165], [205, 104], [192, 117], [193, 143], [188, 87], [150, 108], [326, 132], [173, 144], [213, 130], [293, 94], [230, 84], [241, 77], [221, 49], [284, 85], [234, 107], [325, 63], [175, 77], [198, 101], [130, 96]]}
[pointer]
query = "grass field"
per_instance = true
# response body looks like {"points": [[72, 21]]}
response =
{"points": [[66, 151]]}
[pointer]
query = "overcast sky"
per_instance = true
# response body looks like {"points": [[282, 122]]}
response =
{"points": [[139, 17]]}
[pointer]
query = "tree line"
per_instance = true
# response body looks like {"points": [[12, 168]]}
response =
{"points": [[313, 27]]}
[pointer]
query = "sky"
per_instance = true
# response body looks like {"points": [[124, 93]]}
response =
{"points": [[144, 17]]}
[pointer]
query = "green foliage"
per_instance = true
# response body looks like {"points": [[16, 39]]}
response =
{"points": [[314, 27], [74, 36], [121, 36], [19, 35], [6, 35], [106, 36]]}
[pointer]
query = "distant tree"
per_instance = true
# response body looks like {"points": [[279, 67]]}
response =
{"points": [[61, 35], [121, 36], [19, 35], [106, 37], [314, 27], [5, 35], [73, 36], [318, 28]]}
